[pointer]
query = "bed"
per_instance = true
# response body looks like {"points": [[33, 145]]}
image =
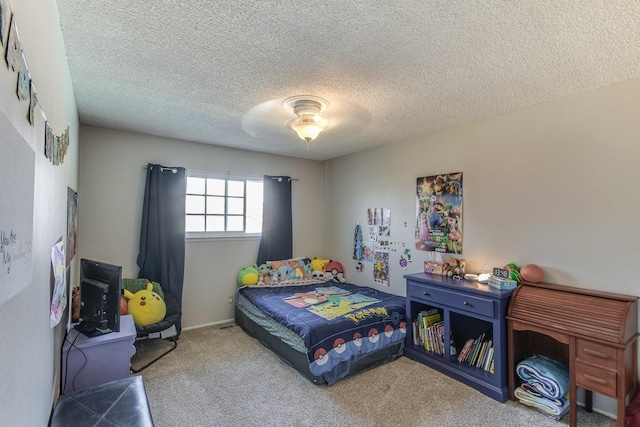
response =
{"points": [[326, 330]]}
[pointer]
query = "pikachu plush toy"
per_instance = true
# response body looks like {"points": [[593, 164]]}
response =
{"points": [[146, 306]]}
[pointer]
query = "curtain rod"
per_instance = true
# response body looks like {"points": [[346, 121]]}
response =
{"points": [[165, 168], [174, 170]]}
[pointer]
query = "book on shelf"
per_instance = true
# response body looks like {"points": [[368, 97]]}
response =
{"points": [[466, 348], [479, 352], [416, 333], [432, 340], [425, 319], [428, 332], [489, 360], [429, 317]]}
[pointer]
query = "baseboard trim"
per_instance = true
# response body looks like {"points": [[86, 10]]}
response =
{"points": [[220, 322]]}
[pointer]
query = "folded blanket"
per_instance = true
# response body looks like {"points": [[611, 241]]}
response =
{"points": [[544, 405], [531, 390], [547, 376]]}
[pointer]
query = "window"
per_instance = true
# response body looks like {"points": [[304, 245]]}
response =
{"points": [[221, 205]]}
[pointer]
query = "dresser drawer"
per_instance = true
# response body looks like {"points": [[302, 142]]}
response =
{"points": [[464, 302], [596, 379], [596, 354]]}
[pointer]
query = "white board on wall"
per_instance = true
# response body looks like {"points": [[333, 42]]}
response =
{"points": [[17, 171]]}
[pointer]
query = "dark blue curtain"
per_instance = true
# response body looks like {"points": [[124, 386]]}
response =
{"points": [[162, 235], [277, 231]]}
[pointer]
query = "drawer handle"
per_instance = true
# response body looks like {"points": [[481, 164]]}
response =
{"points": [[465, 303], [596, 353], [595, 379], [426, 294]]}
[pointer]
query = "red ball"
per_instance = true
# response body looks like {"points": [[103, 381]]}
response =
{"points": [[531, 273]]}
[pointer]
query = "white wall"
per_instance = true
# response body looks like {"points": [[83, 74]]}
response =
{"points": [[555, 184], [112, 178], [30, 353]]}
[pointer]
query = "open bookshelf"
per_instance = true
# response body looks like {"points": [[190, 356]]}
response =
{"points": [[469, 312]]}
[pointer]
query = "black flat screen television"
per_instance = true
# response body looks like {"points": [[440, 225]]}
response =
{"points": [[100, 290]]}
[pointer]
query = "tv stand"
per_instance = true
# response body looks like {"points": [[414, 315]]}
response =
{"points": [[89, 330], [96, 360]]}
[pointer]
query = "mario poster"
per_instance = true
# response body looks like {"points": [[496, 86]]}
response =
{"points": [[439, 213]]}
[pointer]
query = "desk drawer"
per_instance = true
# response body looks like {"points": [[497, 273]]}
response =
{"points": [[468, 303], [596, 379], [596, 354]]}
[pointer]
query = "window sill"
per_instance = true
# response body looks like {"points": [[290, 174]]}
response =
{"points": [[213, 237]]}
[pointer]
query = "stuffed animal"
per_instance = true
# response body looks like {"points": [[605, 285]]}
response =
{"points": [[334, 270], [248, 276], [318, 267], [283, 271], [145, 306], [296, 269], [264, 274], [318, 264], [75, 304]]}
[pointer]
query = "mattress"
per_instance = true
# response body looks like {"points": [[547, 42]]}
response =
{"points": [[333, 325]]}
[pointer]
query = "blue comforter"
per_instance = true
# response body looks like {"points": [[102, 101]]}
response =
{"points": [[338, 322]]}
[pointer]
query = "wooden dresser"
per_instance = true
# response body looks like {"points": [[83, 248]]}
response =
{"points": [[594, 332]]}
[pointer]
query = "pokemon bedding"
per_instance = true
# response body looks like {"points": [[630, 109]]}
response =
{"points": [[338, 323]]}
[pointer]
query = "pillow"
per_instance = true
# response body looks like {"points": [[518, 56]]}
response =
{"points": [[289, 270], [135, 285], [279, 271], [299, 268]]}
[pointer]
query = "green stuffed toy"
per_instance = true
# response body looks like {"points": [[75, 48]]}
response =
{"points": [[146, 306], [264, 274], [248, 276]]}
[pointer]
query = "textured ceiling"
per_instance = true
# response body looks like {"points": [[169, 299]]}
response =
{"points": [[217, 71]]}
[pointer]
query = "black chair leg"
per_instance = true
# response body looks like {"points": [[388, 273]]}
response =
{"points": [[173, 347]]}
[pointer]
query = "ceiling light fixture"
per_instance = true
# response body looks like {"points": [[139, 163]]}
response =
{"points": [[308, 124]]}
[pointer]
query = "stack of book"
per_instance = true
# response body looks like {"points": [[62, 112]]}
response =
{"points": [[478, 352], [424, 320], [429, 332]]}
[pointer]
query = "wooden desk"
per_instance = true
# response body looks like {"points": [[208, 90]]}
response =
{"points": [[594, 332]]}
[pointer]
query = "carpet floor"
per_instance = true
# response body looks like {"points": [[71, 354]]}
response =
{"points": [[220, 376]]}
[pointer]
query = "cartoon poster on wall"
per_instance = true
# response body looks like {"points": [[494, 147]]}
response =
{"points": [[439, 213], [381, 267]]}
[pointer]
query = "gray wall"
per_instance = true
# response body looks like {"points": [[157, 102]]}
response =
{"points": [[555, 184], [112, 177], [30, 349]]}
